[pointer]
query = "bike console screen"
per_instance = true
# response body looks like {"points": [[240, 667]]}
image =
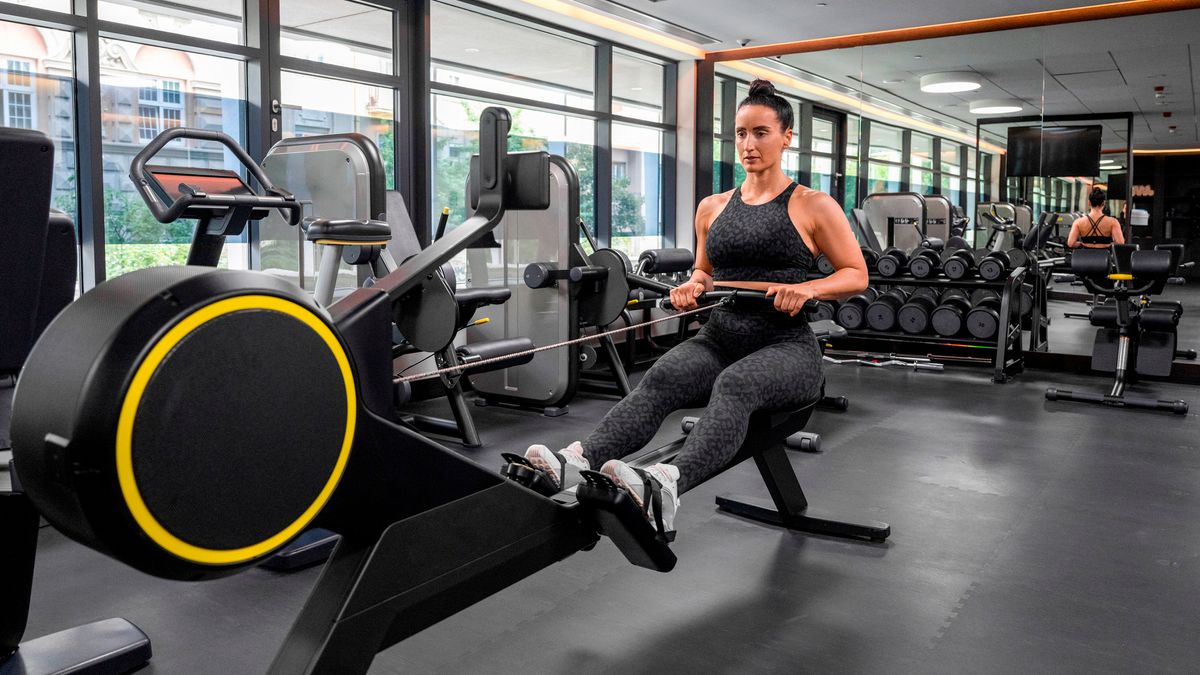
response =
{"points": [[167, 181]]}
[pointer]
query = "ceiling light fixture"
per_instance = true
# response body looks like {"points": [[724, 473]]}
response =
{"points": [[950, 83], [471, 50], [995, 106]]}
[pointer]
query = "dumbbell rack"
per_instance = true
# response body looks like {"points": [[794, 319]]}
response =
{"points": [[1007, 354]]}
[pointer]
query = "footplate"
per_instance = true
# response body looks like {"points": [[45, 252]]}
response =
{"points": [[521, 471], [620, 518]]}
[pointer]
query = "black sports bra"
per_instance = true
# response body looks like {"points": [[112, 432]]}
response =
{"points": [[1093, 237], [757, 242]]}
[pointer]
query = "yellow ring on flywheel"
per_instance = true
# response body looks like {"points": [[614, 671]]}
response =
{"points": [[133, 399]]}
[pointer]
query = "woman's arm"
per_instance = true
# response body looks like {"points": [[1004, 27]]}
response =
{"points": [[832, 236], [683, 296], [1073, 237], [702, 270], [1118, 234]]}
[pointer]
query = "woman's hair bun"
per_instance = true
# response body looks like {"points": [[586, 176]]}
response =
{"points": [[762, 87]]}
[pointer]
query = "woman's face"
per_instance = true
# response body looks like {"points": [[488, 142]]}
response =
{"points": [[760, 138]]}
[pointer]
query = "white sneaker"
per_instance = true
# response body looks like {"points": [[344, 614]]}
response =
{"points": [[543, 459], [634, 480]]}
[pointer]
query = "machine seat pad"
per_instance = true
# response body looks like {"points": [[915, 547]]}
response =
{"points": [[357, 231]]}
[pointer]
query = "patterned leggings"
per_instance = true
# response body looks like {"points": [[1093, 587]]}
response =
{"points": [[738, 363]]}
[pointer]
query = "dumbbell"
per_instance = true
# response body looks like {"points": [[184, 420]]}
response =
{"points": [[870, 257], [801, 440], [881, 314], [891, 262], [925, 262], [983, 321], [825, 310], [914, 316], [823, 264], [958, 263], [852, 313], [995, 264], [949, 316]]}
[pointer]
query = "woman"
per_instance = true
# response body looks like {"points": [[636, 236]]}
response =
{"points": [[761, 236], [1102, 231]]}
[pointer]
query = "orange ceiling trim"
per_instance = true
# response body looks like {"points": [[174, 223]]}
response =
{"points": [[1112, 10]]}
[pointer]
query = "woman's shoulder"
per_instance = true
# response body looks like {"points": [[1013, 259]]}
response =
{"points": [[712, 205], [806, 199]]}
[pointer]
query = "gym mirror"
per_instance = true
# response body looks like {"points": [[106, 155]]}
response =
{"points": [[938, 117]]}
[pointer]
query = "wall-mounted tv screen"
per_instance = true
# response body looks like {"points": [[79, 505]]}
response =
{"points": [[1054, 151]]}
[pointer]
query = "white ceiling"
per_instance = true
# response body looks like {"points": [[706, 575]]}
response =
{"points": [[766, 21], [1094, 67]]}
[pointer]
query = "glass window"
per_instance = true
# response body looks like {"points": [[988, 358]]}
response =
{"points": [[791, 164], [850, 198], [17, 85], [337, 32], [318, 105], [951, 158], [822, 174], [887, 143], [481, 52], [456, 139], [37, 91], [822, 136], [160, 106], [718, 96], [315, 106], [951, 187], [921, 154], [972, 180], [882, 178], [637, 87], [636, 189], [216, 20], [716, 164], [153, 88], [51, 5], [920, 181]]}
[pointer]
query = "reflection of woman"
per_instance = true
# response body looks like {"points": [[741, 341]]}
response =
{"points": [[1094, 229], [762, 236]]}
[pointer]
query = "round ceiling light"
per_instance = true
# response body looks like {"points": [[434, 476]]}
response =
{"points": [[995, 106], [950, 83]]}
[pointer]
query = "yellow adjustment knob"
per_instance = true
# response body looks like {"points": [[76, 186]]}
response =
{"points": [[480, 322], [1120, 277], [445, 210]]}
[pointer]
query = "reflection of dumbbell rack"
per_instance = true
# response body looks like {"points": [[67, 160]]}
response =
{"points": [[1006, 352]]}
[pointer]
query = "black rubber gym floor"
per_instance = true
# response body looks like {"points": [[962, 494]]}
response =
{"points": [[1027, 537]]}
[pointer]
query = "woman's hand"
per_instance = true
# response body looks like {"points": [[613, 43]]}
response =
{"points": [[791, 298], [683, 296]]}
